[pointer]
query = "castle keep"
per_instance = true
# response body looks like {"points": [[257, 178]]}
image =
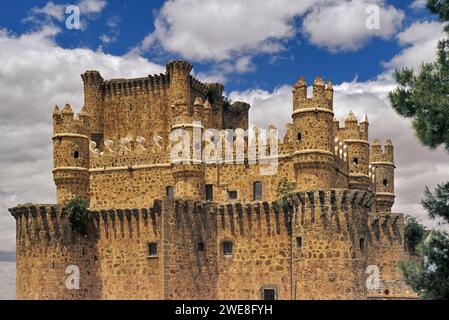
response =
{"points": [[192, 229]]}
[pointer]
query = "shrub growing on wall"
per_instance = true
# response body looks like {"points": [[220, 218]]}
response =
{"points": [[78, 216]]}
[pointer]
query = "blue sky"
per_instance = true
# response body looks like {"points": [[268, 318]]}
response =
{"points": [[135, 20], [258, 49]]}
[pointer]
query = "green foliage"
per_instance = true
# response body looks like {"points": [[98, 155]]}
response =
{"points": [[227, 102], [423, 96], [78, 218], [213, 96], [440, 7], [285, 187], [437, 203], [414, 234], [430, 276]]}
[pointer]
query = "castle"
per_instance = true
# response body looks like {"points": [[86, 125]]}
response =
{"points": [[161, 228]]}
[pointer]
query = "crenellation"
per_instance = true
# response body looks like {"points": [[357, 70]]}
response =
{"points": [[160, 228]]}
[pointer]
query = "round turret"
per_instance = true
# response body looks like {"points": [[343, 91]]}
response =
{"points": [[71, 154], [313, 122], [383, 167]]}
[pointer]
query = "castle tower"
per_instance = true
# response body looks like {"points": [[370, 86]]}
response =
{"points": [[215, 97], [329, 257], [207, 114], [94, 103], [71, 154], [358, 152], [383, 167], [188, 168], [313, 129]]}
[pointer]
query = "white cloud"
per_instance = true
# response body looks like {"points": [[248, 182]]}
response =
{"points": [[417, 166], [419, 4], [342, 25], [7, 280], [52, 10], [267, 107], [45, 15], [218, 30], [36, 74], [220, 71], [420, 41], [214, 30], [92, 6], [113, 25]]}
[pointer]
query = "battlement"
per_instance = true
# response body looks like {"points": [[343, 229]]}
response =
{"points": [[116, 154], [322, 96], [386, 226], [65, 121], [378, 155], [179, 66], [197, 85], [332, 198], [239, 107], [128, 87], [92, 77], [352, 128]]}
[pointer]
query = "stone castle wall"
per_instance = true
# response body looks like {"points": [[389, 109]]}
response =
{"points": [[115, 154], [114, 259]]}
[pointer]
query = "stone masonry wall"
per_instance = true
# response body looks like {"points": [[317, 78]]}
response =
{"points": [[329, 262]]}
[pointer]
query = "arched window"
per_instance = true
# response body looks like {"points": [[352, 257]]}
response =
{"points": [[299, 136], [385, 183], [257, 191], [356, 161], [76, 154]]}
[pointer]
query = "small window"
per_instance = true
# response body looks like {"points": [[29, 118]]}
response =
{"points": [[356, 161], [233, 195], [152, 249], [385, 183], [200, 247], [362, 244], [227, 248], [299, 242], [76, 154], [130, 107], [269, 294], [299, 136], [257, 191], [209, 192], [170, 191]]}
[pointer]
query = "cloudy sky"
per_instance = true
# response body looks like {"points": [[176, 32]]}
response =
{"points": [[258, 49]]}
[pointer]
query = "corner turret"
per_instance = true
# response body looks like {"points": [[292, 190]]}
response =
{"points": [[383, 167], [71, 141], [94, 102], [313, 123], [187, 130], [354, 136], [179, 75]]}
